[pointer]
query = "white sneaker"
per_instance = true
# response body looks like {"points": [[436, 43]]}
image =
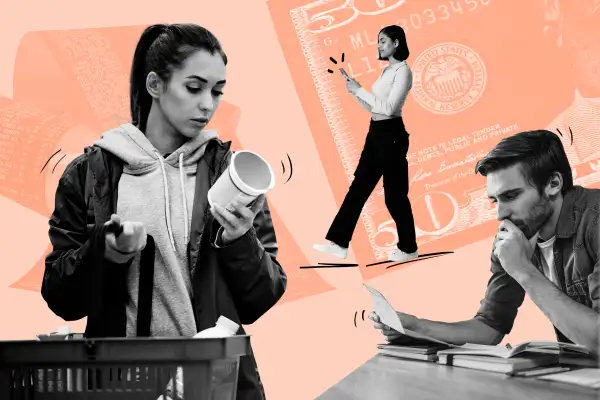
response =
{"points": [[333, 249], [400, 256]]}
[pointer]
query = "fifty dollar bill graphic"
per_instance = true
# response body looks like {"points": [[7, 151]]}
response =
{"points": [[482, 70]]}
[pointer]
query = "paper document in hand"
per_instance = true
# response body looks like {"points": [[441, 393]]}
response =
{"points": [[386, 313], [388, 316]]}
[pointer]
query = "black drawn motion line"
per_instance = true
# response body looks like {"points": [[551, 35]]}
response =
{"points": [[570, 131], [58, 162], [57, 151], [291, 169], [328, 265], [345, 265], [353, 265], [421, 256], [333, 60], [356, 314], [413, 260]]}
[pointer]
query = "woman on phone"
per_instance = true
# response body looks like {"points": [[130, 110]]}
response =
{"points": [[384, 153], [135, 249]]}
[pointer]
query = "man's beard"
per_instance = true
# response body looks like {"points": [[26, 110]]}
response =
{"points": [[540, 213]]}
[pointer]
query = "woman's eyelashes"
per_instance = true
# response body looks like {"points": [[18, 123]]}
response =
{"points": [[195, 90]]}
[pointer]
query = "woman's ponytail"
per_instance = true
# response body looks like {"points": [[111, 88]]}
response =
{"points": [[140, 99]]}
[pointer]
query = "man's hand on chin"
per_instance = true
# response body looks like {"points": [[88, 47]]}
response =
{"points": [[514, 250]]}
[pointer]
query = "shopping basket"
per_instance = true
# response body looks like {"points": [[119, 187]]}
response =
{"points": [[122, 368]]}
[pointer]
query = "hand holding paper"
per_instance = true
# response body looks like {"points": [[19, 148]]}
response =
{"points": [[384, 310], [388, 316]]}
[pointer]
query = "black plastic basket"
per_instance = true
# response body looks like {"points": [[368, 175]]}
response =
{"points": [[124, 368]]}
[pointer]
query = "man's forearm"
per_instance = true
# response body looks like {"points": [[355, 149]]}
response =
{"points": [[579, 323], [459, 333]]}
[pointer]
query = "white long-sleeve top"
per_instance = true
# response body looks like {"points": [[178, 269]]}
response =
{"points": [[389, 92]]}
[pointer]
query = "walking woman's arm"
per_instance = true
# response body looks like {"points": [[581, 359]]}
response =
{"points": [[400, 88]]}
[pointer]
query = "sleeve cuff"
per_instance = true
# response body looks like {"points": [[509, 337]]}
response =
{"points": [[245, 246], [218, 241], [116, 256], [502, 322]]}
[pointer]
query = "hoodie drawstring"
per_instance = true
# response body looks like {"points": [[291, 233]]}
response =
{"points": [[184, 197], [167, 201]]}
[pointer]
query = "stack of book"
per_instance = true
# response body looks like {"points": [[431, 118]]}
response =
{"points": [[414, 350], [577, 356], [509, 360]]}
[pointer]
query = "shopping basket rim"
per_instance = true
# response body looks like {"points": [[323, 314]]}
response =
{"points": [[122, 350]]}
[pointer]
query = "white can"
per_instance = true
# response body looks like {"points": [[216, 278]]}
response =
{"points": [[247, 177]]}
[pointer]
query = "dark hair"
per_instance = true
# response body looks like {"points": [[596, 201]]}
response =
{"points": [[395, 32], [540, 153], [162, 48]]}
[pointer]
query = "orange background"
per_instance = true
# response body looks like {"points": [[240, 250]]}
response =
{"points": [[308, 341]]}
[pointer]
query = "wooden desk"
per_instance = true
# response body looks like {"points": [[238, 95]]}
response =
{"points": [[383, 378]]}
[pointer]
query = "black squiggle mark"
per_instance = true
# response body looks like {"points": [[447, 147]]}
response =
{"points": [[58, 163], [441, 253], [57, 151], [356, 315], [570, 131], [333, 60], [283, 166], [414, 260], [291, 168], [363, 313], [327, 265], [354, 265]]}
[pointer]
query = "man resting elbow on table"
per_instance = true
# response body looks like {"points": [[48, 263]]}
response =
{"points": [[547, 246]]}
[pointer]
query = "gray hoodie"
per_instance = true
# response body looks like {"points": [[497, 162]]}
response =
{"points": [[159, 192]]}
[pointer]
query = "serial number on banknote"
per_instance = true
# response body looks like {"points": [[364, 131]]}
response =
{"points": [[326, 15]]}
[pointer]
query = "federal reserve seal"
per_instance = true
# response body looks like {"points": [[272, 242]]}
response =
{"points": [[448, 78]]}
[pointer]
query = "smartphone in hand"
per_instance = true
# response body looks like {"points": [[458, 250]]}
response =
{"points": [[345, 74]]}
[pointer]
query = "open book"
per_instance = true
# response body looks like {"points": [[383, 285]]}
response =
{"points": [[537, 346], [505, 359], [388, 316]]}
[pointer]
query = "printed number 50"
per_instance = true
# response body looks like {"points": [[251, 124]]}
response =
{"points": [[387, 228], [345, 12], [331, 18]]}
